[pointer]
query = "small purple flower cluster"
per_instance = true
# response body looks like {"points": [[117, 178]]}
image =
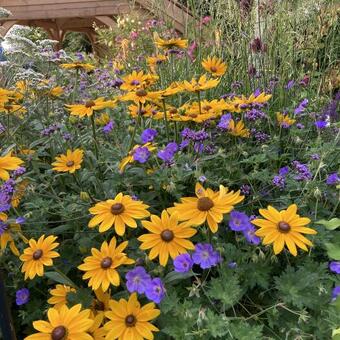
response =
{"points": [[254, 114], [168, 153], [245, 189], [148, 135], [6, 192], [18, 172], [138, 280], [197, 138], [240, 221], [280, 179], [260, 136], [303, 172], [50, 130]]}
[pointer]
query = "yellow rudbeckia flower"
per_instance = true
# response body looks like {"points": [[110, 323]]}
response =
{"points": [[59, 295], [282, 228], [39, 254], [118, 212], [166, 237], [69, 162], [201, 84], [208, 206], [78, 66], [170, 43], [101, 267], [215, 66], [64, 324], [130, 321]]}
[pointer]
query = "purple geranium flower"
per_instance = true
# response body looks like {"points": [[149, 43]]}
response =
{"points": [[183, 263], [279, 181], [141, 154], [284, 171], [137, 280], [205, 255], [335, 292], [321, 124], [333, 179], [22, 296], [250, 236], [334, 266], [301, 107], [238, 221], [148, 135], [224, 121], [167, 154], [108, 127], [290, 84], [155, 290]]}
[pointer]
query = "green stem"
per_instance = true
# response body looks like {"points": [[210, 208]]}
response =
{"points": [[94, 136], [165, 120], [136, 126]]}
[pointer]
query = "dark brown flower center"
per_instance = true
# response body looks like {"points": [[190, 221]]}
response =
{"points": [[173, 111], [70, 163], [117, 208], [8, 107], [167, 235], [283, 227], [207, 107], [213, 68], [59, 333], [90, 104], [204, 204], [106, 262], [193, 115], [99, 305], [141, 93], [37, 254], [130, 320]]}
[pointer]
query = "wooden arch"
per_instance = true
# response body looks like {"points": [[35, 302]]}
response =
{"points": [[58, 17]]}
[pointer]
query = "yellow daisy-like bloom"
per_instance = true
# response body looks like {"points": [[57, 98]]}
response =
{"points": [[8, 163], [78, 66], [166, 237], [8, 236], [101, 267], [284, 120], [118, 212], [13, 108], [134, 81], [146, 111], [171, 43], [19, 192], [129, 158], [39, 254], [130, 321], [209, 206], [282, 228], [215, 66], [239, 101], [141, 96], [201, 84], [87, 109], [238, 129], [101, 303], [64, 324], [59, 295], [69, 162]]}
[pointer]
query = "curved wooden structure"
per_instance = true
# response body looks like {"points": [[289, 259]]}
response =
{"points": [[58, 17]]}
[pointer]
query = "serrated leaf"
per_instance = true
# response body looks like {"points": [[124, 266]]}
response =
{"points": [[57, 277], [332, 224]]}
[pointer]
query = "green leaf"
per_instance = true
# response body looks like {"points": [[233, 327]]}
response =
{"points": [[241, 330], [82, 296], [333, 251], [332, 224], [174, 276], [60, 278]]}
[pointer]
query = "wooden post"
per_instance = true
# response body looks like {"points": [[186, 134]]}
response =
{"points": [[6, 322]]}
